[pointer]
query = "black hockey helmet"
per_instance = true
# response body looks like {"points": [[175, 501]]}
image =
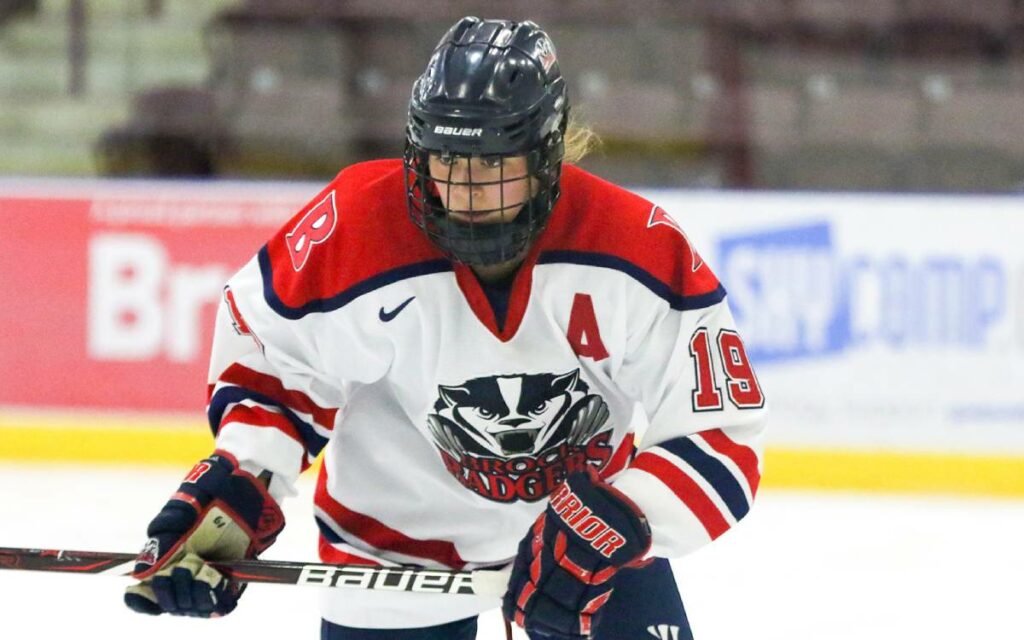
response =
{"points": [[491, 90]]}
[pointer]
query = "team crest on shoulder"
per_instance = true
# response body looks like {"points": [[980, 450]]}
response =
{"points": [[312, 229], [516, 437], [659, 216]]}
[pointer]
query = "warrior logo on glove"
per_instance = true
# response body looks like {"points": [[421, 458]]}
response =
{"points": [[563, 572], [590, 528], [517, 437]]}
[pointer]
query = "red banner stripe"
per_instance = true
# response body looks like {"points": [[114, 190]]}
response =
{"points": [[270, 386], [686, 489], [379, 535], [744, 457]]}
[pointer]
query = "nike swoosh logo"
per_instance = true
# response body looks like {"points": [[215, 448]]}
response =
{"points": [[388, 316]]}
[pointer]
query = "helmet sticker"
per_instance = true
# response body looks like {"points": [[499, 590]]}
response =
{"points": [[545, 52]]}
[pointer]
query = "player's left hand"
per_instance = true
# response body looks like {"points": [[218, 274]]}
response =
{"points": [[562, 574]]}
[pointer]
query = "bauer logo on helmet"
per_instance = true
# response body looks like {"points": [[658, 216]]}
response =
{"points": [[458, 131]]}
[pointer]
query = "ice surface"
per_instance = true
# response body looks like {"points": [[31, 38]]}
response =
{"points": [[801, 566]]}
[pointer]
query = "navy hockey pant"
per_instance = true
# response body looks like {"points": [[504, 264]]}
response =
{"points": [[646, 604]]}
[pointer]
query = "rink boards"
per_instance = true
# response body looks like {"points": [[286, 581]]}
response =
{"points": [[161, 442], [887, 330]]}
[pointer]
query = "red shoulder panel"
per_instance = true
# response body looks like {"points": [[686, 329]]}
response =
{"points": [[356, 228], [596, 216]]}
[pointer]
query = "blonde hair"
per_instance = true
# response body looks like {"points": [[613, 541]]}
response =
{"points": [[580, 140]]}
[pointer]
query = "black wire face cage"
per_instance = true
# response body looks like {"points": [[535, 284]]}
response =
{"points": [[490, 230]]}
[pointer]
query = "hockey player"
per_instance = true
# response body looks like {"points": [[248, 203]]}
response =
{"points": [[466, 334]]}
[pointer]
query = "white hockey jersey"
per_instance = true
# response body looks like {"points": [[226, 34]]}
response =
{"points": [[443, 435]]}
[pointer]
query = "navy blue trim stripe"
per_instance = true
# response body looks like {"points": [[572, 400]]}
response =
{"points": [[714, 471], [313, 441], [676, 301], [328, 533], [339, 300]]}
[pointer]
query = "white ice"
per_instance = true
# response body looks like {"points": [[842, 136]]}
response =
{"points": [[801, 566]]}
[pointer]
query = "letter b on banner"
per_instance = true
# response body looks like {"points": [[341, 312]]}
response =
{"points": [[141, 305], [125, 314]]}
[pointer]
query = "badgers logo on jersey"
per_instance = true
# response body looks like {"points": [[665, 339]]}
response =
{"points": [[515, 437]]}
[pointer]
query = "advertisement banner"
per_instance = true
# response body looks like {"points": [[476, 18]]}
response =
{"points": [[875, 321], [109, 289]]}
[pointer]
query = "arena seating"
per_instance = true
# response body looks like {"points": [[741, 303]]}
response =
{"points": [[839, 94]]}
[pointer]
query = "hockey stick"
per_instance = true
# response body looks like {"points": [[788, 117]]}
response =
{"points": [[481, 582]]}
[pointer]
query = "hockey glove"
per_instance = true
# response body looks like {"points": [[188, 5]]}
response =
{"points": [[218, 513], [562, 574]]}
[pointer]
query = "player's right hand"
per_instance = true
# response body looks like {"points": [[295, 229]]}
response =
{"points": [[562, 574], [218, 513]]}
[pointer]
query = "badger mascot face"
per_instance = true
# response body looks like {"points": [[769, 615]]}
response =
{"points": [[515, 415]]}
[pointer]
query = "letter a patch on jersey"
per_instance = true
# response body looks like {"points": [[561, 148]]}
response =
{"points": [[314, 227], [658, 216], [583, 333]]}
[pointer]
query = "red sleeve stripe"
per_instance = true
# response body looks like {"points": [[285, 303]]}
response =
{"points": [[261, 418], [744, 457], [380, 536], [271, 387], [620, 458], [333, 555], [686, 489]]}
